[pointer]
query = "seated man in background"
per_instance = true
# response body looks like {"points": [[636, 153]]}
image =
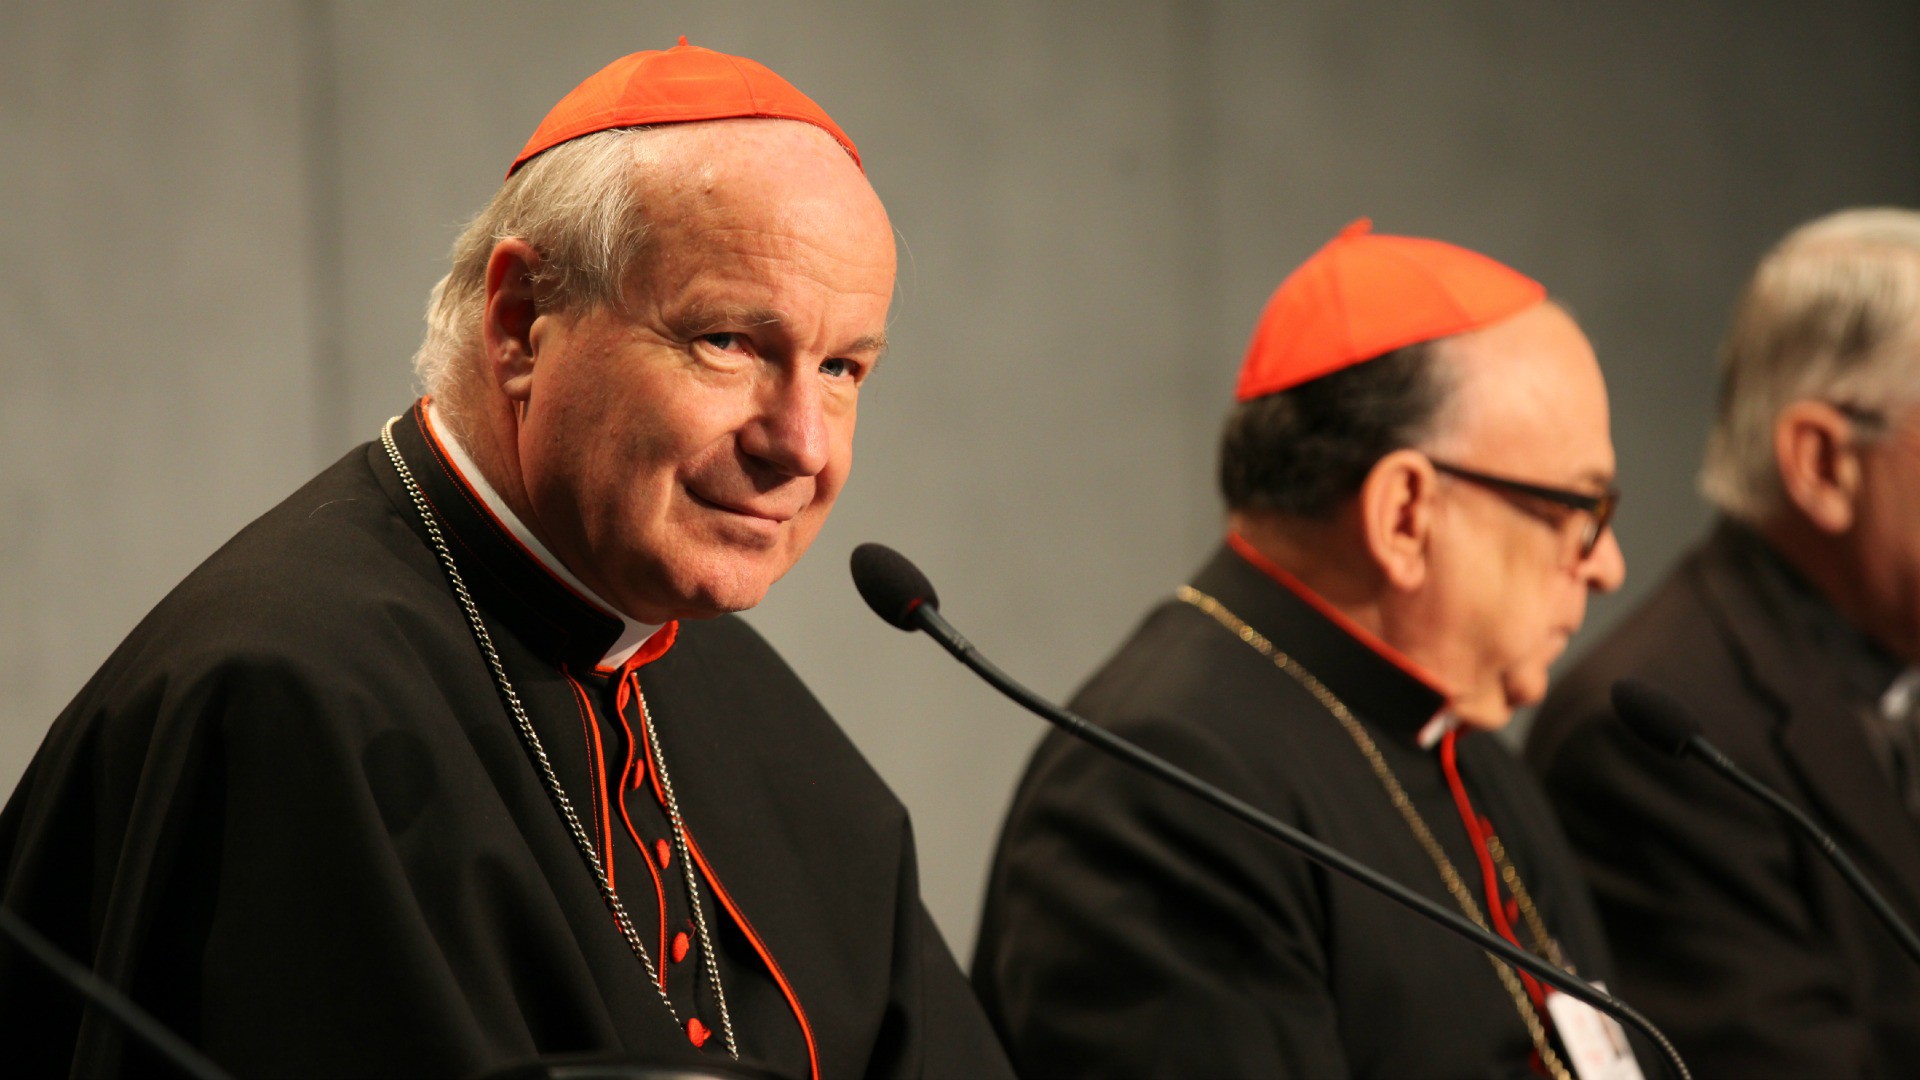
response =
{"points": [[1419, 480], [1792, 632], [454, 757]]}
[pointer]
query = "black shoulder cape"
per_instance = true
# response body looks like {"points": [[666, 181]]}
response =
{"points": [[1734, 934], [292, 817], [1132, 931]]}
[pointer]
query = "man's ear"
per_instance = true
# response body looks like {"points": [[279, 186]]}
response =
{"points": [[1819, 467], [506, 325], [1396, 516]]}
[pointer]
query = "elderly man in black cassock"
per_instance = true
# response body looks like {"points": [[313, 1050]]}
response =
{"points": [[1419, 482], [1792, 632], [455, 757]]}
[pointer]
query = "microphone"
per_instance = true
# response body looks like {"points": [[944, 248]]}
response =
{"points": [[898, 592], [1669, 727]]}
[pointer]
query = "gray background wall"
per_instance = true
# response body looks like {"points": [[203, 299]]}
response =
{"points": [[220, 223]]}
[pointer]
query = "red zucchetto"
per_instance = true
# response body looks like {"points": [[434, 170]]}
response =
{"points": [[1365, 294], [676, 86]]}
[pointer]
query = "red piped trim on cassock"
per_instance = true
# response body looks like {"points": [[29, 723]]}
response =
{"points": [[621, 697], [597, 772], [1478, 830], [759, 946], [650, 650]]}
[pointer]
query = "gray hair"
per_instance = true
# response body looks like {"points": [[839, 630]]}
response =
{"points": [[582, 205], [1830, 314]]}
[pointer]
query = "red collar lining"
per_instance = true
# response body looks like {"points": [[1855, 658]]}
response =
{"points": [[1354, 630]]}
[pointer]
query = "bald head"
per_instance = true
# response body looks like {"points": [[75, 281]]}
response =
{"points": [[1527, 385]]}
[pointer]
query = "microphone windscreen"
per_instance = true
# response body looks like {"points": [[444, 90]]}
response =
{"points": [[1655, 715], [892, 586]]}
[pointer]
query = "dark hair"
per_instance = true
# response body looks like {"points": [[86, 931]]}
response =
{"points": [[1304, 451]]}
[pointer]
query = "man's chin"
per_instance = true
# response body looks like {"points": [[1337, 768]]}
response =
{"points": [[1485, 717], [690, 594], [1494, 707], [711, 603], [725, 583], [1524, 693]]}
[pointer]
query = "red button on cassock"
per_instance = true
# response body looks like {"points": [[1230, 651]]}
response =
{"points": [[680, 946], [663, 852], [697, 1032]]}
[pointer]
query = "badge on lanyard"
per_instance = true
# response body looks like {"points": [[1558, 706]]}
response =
{"points": [[1596, 1044]]}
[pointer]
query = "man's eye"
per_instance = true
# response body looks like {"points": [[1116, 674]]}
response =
{"points": [[838, 368], [723, 342]]}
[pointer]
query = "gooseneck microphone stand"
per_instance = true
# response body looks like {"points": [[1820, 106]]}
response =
{"points": [[900, 594]]}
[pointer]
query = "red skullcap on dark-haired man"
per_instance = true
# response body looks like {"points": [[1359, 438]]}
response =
{"points": [[1418, 478]]}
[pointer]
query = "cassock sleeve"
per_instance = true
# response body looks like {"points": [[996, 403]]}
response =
{"points": [[1132, 931], [1703, 895], [934, 1029]]}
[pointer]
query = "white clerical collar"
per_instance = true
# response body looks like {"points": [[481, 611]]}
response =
{"points": [[1436, 729], [633, 633], [1902, 696]]}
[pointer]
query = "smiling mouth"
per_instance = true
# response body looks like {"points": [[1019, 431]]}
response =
{"points": [[738, 511]]}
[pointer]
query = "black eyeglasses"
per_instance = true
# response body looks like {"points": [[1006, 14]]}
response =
{"points": [[1598, 508]]}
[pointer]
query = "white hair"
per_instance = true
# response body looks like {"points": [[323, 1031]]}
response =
{"points": [[1832, 313], [582, 206]]}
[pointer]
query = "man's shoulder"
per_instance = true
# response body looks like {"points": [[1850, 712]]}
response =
{"points": [[331, 573], [1178, 662], [1184, 688]]}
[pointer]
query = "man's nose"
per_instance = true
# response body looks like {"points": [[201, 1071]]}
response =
{"points": [[789, 432], [1606, 569]]}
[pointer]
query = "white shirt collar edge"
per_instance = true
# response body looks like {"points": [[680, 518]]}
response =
{"points": [[633, 633]]}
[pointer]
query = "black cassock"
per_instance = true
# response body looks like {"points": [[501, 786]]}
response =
{"points": [[1734, 933], [1132, 931], [293, 818]]}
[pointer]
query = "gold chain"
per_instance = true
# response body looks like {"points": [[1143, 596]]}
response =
{"points": [[1456, 886], [1544, 943]]}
